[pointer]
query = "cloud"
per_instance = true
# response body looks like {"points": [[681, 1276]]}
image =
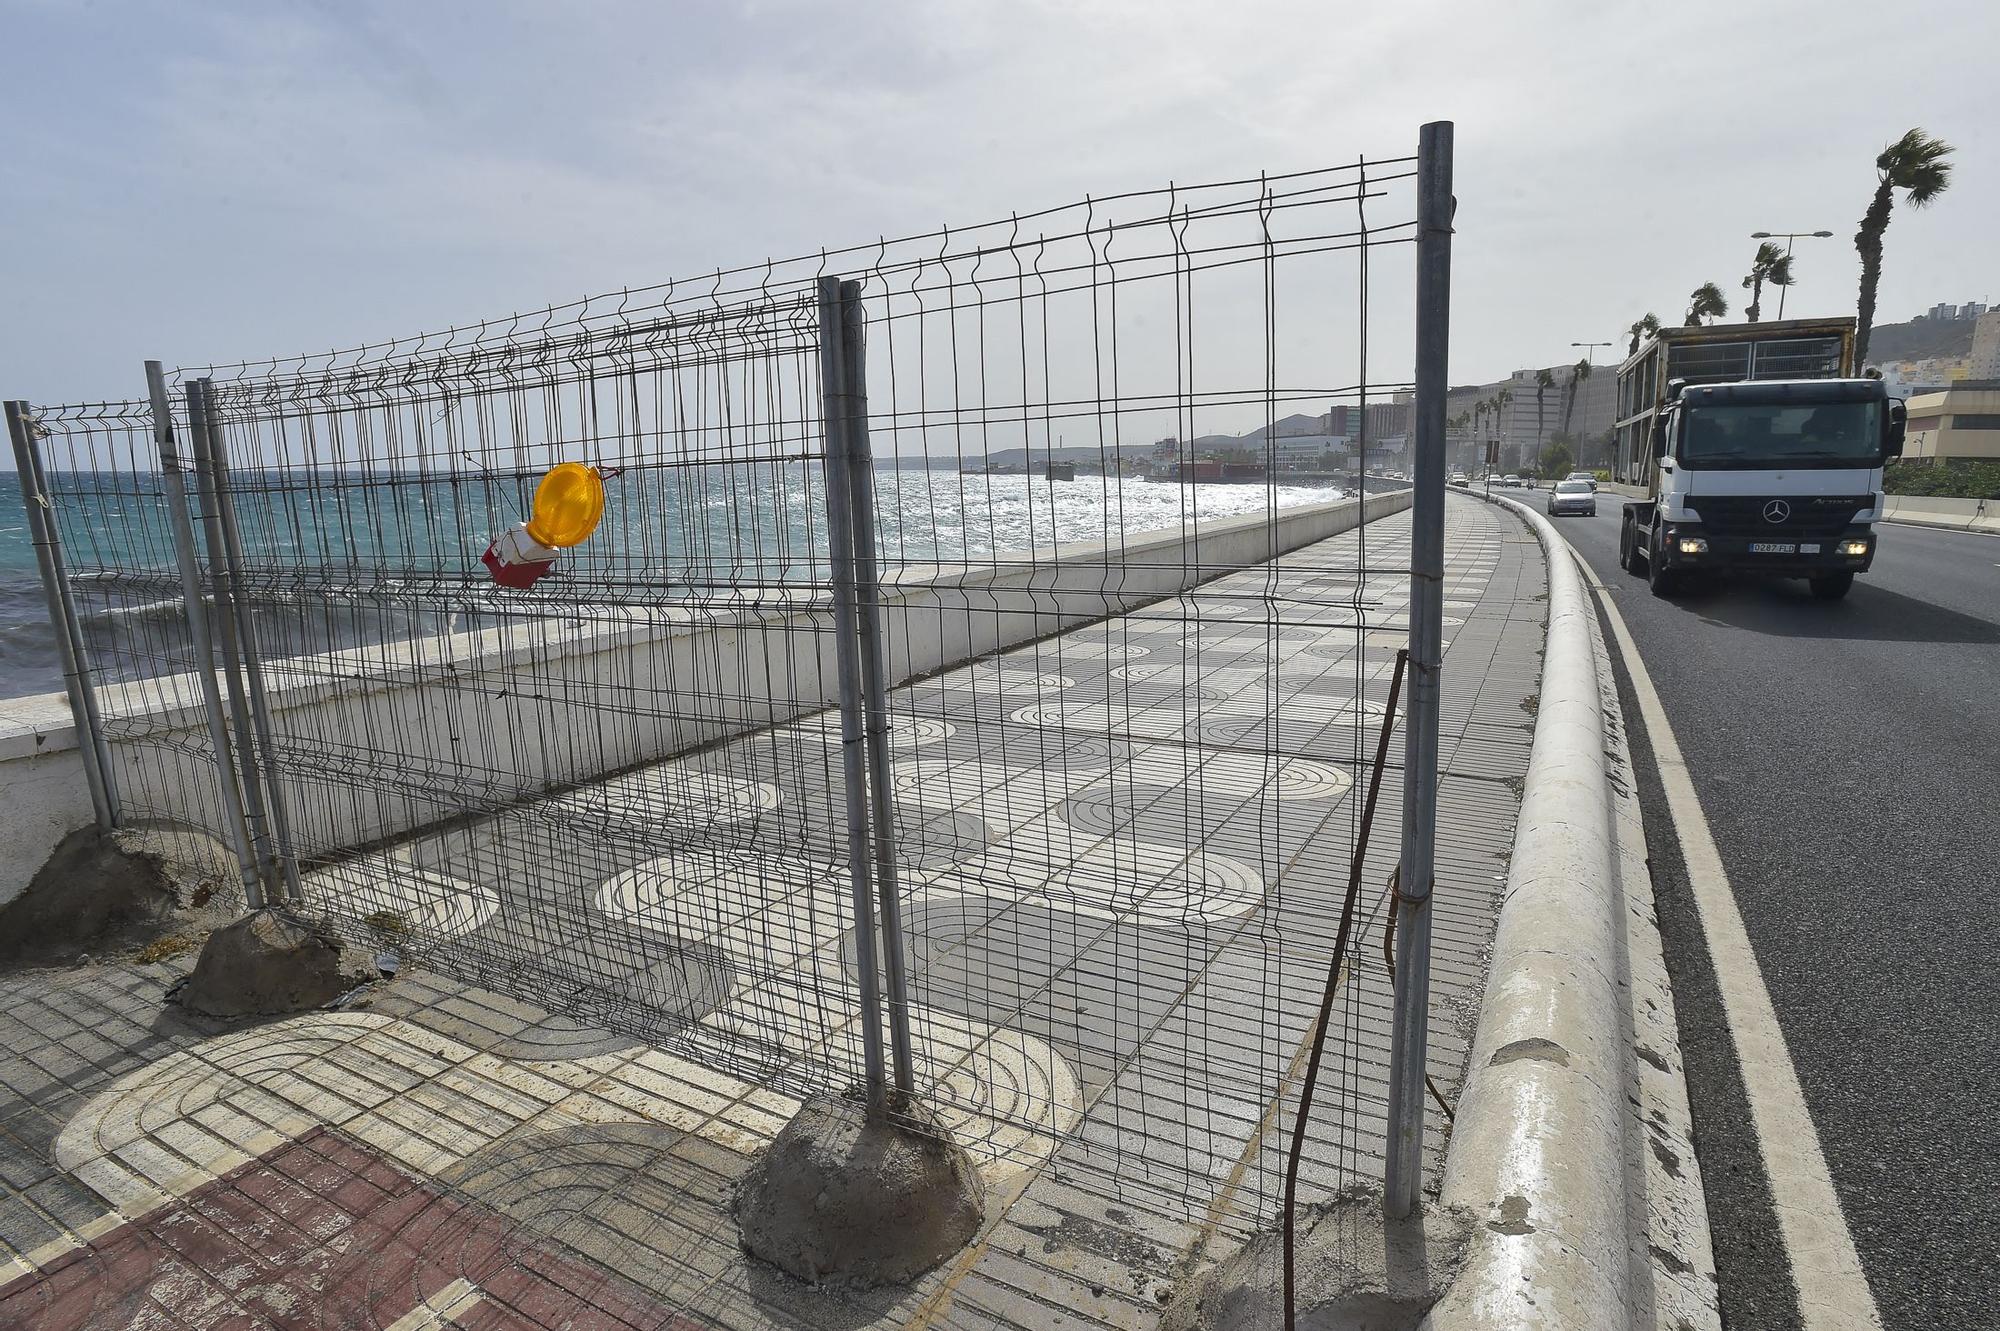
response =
{"points": [[251, 179]]}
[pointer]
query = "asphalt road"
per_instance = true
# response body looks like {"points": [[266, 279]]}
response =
{"points": [[1847, 755]]}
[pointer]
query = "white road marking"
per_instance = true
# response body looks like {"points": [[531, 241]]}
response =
{"points": [[1833, 1292]]}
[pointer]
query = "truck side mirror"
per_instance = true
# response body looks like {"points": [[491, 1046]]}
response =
{"points": [[1659, 436], [1892, 432]]}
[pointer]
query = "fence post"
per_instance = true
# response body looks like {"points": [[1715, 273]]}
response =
{"points": [[225, 636], [229, 612], [1410, 1025], [253, 660], [47, 540], [197, 616], [835, 413], [874, 684]]}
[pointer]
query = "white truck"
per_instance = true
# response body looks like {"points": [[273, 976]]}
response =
{"points": [[1778, 472]]}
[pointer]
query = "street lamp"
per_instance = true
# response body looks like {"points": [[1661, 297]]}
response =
{"points": [[1789, 237]]}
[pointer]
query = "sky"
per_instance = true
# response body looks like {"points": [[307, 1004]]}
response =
{"points": [[214, 182]]}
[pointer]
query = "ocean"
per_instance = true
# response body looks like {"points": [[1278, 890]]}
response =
{"points": [[344, 560]]}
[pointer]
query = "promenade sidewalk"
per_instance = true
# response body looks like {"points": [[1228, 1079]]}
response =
{"points": [[1123, 860]]}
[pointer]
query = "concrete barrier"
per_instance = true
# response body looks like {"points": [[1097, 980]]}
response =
{"points": [[1572, 1142], [505, 702], [1980, 515]]}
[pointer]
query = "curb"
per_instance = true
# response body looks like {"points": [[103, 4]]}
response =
{"points": [[1572, 1141]]}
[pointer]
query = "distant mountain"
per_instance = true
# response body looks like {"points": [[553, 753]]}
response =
{"points": [[1289, 426], [1018, 457], [1920, 339]]}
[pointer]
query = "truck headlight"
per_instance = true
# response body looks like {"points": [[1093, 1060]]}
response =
{"points": [[1693, 545], [1854, 547]]}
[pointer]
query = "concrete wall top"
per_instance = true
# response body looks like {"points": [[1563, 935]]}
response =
{"points": [[41, 723]]}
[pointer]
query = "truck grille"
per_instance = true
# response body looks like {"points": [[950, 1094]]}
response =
{"points": [[1810, 515]]}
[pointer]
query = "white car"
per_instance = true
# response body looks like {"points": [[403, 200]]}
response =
{"points": [[1584, 476], [1511, 480], [1572, 497]]}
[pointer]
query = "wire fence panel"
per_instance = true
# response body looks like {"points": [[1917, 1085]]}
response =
{"points": [[519, 733], [107, 495], [1127, 790], [1134, 638]]}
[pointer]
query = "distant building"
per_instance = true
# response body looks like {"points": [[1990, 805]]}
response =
{"points": [[1382, 419], [1961, 422], [1972, 309], [1526, 425], [1305, 449], [1905, 377], [1983, 362]]}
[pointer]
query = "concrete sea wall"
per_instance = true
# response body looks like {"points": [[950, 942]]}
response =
{"points": [[516, 710]]}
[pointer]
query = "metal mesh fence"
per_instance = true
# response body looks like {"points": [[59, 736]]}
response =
{"points": [[1136, 643]]}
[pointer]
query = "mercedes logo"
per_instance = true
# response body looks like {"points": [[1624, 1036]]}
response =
{"points": [[1777, 511]]}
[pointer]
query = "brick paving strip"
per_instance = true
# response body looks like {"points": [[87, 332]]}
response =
{"points": [[1114, 1030], [323, 1232]]}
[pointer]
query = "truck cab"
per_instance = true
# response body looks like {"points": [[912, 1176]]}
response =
{"points": [[1780, 477]]}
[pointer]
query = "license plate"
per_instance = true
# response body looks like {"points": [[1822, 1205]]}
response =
{"points": [[1773, 548]]}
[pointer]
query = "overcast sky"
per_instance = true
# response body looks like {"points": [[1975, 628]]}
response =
{"points": [[219, 181]]}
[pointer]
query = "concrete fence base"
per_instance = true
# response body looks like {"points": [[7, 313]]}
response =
{"points": [[839, 1198]]}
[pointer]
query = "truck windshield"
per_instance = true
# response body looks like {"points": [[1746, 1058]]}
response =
{"points": [[1837, 434]]}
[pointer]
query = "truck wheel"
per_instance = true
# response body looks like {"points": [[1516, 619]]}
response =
{"points": [[1663, 581], [1831, 587], [1628, 546]]}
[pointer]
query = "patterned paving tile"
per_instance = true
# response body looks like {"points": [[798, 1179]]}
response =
{"points": [[1121, 853]]}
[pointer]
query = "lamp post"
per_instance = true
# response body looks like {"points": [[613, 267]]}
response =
{"points": [[1789, 237]]}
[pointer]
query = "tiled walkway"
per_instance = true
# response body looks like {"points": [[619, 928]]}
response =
{"points": [[1123, 852]]}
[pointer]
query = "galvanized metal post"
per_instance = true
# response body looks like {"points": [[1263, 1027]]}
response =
{"points": [[86, 684], [253, 661], [42, 532], [222, 579], [836, 412], [1410, 1025], [197, 617], [874, 683]]}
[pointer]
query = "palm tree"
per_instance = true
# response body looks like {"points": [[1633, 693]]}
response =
{"points": [[1705, 302], [1577, 374], [1645, 327], [1545, 379], [1916, 165], [1771, 265], [1501, 401]]}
